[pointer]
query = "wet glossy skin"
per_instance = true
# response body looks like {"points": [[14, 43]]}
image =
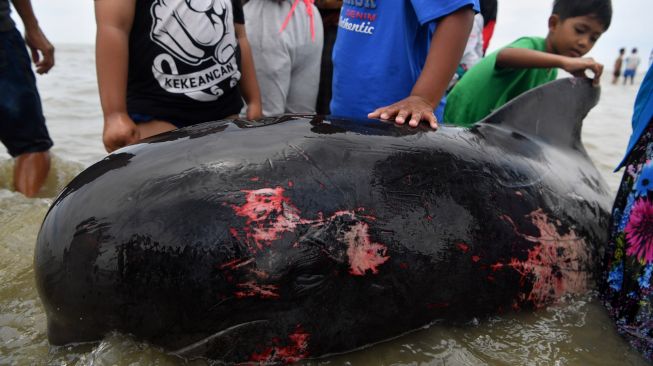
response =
{"points": [[306, 236]]}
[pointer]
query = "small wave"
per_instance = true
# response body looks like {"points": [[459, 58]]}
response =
{"points": [[61, 173]]}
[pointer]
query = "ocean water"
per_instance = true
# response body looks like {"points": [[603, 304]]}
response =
{"points": [[573, 332]]}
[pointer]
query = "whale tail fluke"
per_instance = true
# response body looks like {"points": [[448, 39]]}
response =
{"points": [[553, 112]]}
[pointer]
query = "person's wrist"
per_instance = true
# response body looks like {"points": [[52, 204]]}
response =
{"points": [[115, 117], [424, 99], [563, 62], [255, 104]]}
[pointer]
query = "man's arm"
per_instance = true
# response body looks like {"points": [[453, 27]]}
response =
{"points": [[41, 49], [248, 82], [523, 58], [446, 50], [114, 20]]}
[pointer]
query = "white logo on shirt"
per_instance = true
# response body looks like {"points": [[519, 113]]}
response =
{"points": [[194, 32]]}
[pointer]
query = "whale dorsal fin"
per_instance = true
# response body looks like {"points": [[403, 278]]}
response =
{"points": [[553, 112]]}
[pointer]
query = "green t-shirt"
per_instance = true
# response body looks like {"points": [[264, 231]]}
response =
{"points": [[484, 89]]}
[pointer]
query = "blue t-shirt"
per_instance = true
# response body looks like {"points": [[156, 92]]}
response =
{"points": [[381, 49], [642, 114]]}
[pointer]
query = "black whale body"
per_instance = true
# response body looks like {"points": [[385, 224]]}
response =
{"points": [[304, 236]]}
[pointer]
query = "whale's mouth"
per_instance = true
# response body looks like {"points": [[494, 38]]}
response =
{"points": [[61, 334], [219, 345]]}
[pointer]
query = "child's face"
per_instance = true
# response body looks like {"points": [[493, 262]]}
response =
{"points": [[575, 36]]}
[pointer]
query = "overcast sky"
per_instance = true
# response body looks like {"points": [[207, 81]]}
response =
{"points": [[72, 21]]}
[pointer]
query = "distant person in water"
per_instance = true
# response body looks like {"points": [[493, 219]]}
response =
{"points": [[632, 62], [163, 65], [378, 74], [22, 124], [617, 66], [574, 28], [627, 289]]}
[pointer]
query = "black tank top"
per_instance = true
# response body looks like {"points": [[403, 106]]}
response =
{"points": [[184, 62], [6, 23]]}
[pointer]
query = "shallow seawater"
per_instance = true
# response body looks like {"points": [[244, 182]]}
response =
{"points": [[573, 332]]}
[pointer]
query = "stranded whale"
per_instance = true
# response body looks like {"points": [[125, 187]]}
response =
{"points": [[304, 236]]}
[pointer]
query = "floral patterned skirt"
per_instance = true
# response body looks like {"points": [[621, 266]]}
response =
{"points": [[628, 294]]}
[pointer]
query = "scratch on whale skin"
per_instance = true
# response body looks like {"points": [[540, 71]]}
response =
{"points": [[555, 263], [269, 214], [237, 263], [252, 289], [296, 350]]}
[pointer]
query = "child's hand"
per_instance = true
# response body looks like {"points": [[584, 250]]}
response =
{"points": [[577, 67], [119, 131], [417, 108]]}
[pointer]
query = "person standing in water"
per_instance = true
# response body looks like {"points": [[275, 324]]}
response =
{"points": [[163, 65], [627, 282], [22, 124], [632, 62], [617, 66], [286, 38]]}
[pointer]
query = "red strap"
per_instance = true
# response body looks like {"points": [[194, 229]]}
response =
{"points": [[488, 30], [309, 11]]}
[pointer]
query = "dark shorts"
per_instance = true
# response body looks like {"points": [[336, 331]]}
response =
{"points": [[22, 125], [143, 118], [629, 73]]}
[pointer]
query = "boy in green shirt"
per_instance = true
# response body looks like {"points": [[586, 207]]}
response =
{"points": [[574, 28]]}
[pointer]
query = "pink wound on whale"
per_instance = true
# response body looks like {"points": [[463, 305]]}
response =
{"points": [[269, 214], [296, 350], [364, 255], [556, 262]]}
